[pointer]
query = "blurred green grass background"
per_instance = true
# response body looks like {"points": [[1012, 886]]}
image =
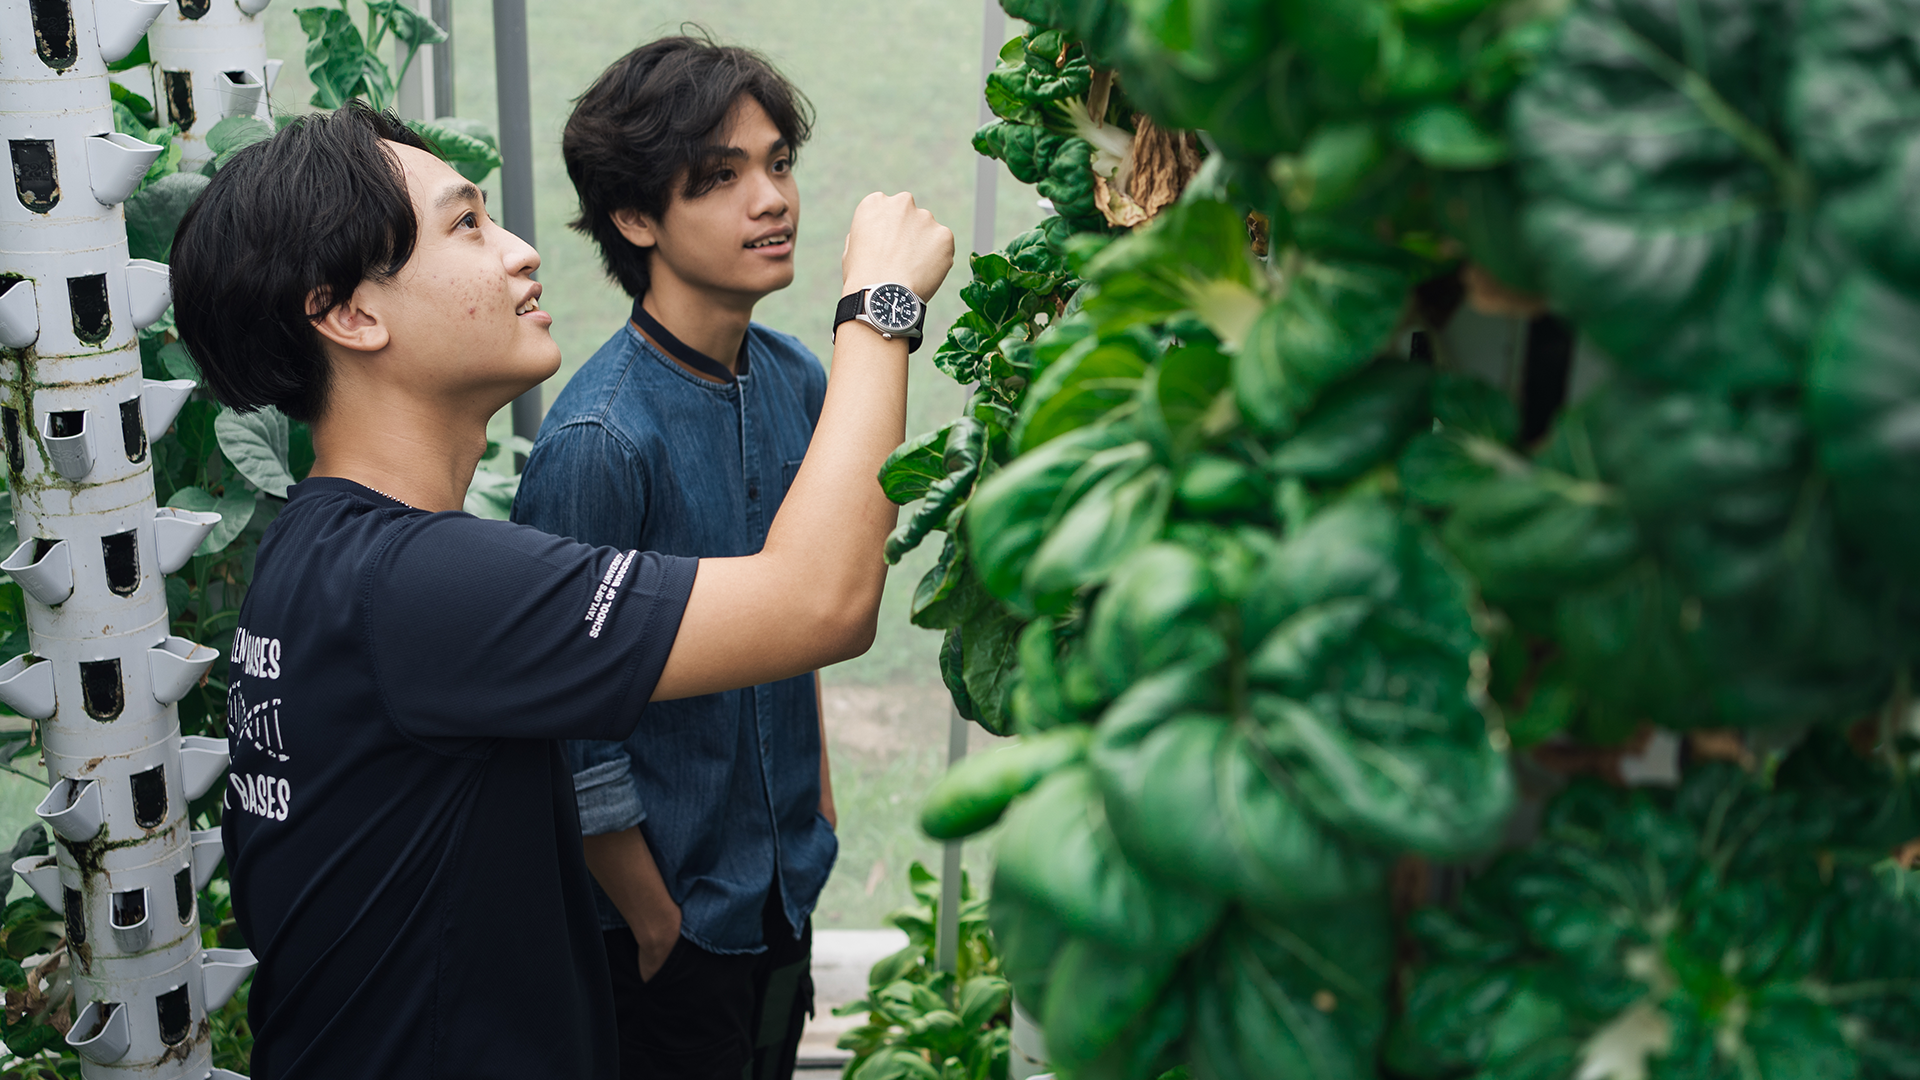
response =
{"points": [[896, 88]]}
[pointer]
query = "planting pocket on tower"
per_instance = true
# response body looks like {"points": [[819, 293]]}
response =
{"points": [[178, 87], [133, 429], [132, 929], [34, 177], [101, 690], [92, 315], [183, 894], [69, 447], [76, 916], [53, 36], [176, 1016], [150, 797], [10, 427], [121, 551]]}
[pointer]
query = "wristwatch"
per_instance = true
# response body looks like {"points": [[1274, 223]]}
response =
{"points": [[890, 307]]}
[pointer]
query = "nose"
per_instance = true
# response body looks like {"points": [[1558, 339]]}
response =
{"points": [[519, 255], [769, 199]]}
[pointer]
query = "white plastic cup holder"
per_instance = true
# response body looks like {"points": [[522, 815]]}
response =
{"points": [[255, 7], [160, 402], [48, 578], [42, 875], [202, 760], [72, 455], [26, 685], [136, 932], [73, 809], [149, 291], [239, 93], [207, 850], [222, 971], [177, 535], [100, 1033], [120, 24], [174, 665], [19, 314], [273, 66], [116, 163]]}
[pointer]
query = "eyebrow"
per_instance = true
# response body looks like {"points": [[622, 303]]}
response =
{"points": [[459, 193], [734, 153]]}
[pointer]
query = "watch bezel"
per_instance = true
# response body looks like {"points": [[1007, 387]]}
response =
{"points": [[920, 308]]}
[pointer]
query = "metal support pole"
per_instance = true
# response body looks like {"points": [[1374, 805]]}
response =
{"points": [[986, 181], [442, 13], [516, 160]]}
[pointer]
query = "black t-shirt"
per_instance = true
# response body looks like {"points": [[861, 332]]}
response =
{"points": [[400, 823]]}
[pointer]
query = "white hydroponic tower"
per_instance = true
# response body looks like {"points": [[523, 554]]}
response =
{"points": [[104, 673], [209, 63]]}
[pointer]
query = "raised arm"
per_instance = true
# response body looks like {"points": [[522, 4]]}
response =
{"points": [[811, 597]]}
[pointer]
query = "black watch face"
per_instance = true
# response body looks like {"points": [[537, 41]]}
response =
{"points": [[893, 308]]}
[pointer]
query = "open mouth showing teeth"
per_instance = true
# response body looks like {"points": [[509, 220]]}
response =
{"points": [[532, 304], [770, 241]]}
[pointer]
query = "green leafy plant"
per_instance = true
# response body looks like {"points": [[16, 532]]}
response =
{"points": [[927, 1024], [344, 63], [1286, 589]]}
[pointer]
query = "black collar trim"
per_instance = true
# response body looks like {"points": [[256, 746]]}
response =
{"points": [[684, 352]]}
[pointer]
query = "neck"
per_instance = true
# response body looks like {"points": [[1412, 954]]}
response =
{"points": [[421, 453], [715, 323]]}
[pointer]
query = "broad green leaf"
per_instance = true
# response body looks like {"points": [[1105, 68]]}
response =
{"points": [[1542, 534], [1117, 516], [1669, 215], [1095, 994], [1193, 798], [339, 62], [989, 638], [179, 364], [914, 466], [1156, 610], [412, 28], [235, 133], [154, 213], [1057, 851], [1864, 402], [1333, 320], [235, 509], [256, 444], [1357, 424], [468, 145], [1445, 136], [1850, 107], [1300, 997], [1007, 517]]}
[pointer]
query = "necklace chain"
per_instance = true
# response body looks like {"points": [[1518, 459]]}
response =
{"points": [[395, 498]]}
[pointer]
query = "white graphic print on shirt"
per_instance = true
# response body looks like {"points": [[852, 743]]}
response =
{"points": [[258, 725]]}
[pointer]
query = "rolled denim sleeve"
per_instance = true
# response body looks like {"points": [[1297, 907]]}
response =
{"points": [[604, 788], [583, 480]]}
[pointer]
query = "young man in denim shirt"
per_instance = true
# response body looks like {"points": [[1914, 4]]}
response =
{"points": [[710, 831]]}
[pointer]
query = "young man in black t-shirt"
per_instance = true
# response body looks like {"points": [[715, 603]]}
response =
{"points": [[400, 824]]}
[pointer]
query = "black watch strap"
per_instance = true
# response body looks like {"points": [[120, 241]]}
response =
{"points": [[851, 304]]}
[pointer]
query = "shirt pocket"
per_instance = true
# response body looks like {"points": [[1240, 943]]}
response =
{"points": [[789, 470]]}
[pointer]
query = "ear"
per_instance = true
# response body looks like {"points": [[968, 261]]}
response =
{"points": [[353, 325], [637, 227]]}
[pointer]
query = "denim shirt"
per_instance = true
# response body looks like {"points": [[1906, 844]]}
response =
{"points": [[637, 452]]}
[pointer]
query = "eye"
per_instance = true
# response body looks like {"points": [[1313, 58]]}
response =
{"points": [[468, 220], [784, 165], [723, 176]]}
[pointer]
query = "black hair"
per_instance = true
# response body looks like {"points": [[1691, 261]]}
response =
{"points": [[286, 231], [645, 127]]}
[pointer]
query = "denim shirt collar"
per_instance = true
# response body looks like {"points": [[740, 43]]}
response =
{"points": [[650, 327]]}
